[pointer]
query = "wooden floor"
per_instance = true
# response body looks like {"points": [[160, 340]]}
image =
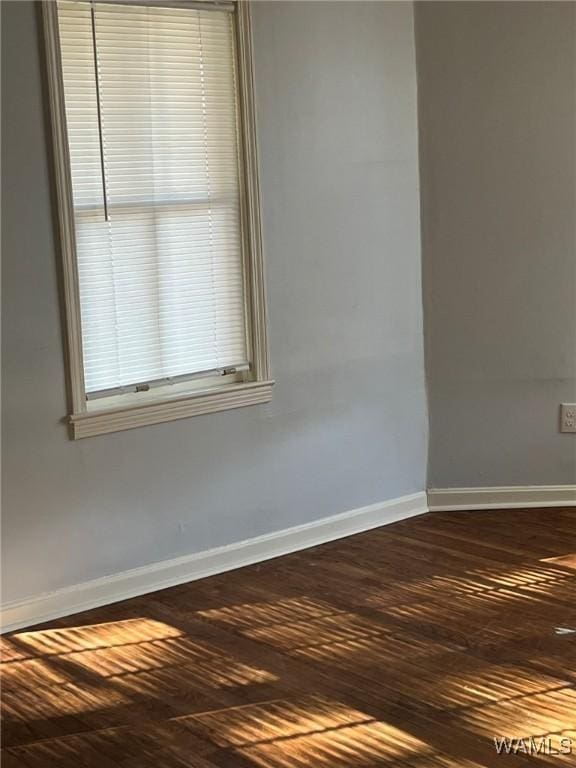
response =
{"points": [[412, 645]]}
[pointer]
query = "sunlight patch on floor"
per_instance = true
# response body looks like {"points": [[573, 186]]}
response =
{"points": [[546, 714], [91, 636], [566, 561], [269, 613]]}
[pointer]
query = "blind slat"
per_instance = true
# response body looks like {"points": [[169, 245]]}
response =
{"points": [[161, 281]]}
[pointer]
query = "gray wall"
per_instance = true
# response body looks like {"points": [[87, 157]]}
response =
{"points": [[497, 90], [347, 425]]}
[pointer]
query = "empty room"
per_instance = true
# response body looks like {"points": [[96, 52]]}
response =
{"points": [[288, 384]]}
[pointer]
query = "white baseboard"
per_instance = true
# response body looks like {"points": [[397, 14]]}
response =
{"points": [[506, 497], [168, 573]]}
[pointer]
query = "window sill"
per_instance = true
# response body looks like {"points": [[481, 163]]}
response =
{"points": [[100, 422]]}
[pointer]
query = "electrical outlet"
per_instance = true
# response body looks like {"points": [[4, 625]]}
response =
{"points": [[568, 417]]}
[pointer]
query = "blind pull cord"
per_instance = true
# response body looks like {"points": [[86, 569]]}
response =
{"points": [[99, 111]]}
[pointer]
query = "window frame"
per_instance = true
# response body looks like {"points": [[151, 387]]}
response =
{"points": [[87, 418]]}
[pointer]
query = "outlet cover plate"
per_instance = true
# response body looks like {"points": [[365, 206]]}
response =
{"points": [[568, 417]]}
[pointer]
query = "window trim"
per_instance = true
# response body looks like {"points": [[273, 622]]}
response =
{"points": [[86, 421]]}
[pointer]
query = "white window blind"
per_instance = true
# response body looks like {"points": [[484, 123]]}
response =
{"points": [[151, 112]]}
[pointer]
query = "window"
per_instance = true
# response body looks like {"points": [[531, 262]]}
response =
{"points": [[158, 202]]}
